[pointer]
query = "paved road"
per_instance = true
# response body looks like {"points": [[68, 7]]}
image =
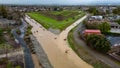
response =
{"points": [[55, 50], [27, 54], [97, 55]]}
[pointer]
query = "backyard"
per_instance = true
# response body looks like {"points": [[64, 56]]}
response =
{"points": [[56, 19]]}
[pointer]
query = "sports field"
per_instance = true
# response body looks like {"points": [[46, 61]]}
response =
{"points": [[56, 19]]}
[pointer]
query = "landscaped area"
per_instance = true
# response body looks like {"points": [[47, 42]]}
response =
{"points": [[56, 19]]}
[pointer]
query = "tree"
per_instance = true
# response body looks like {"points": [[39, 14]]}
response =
{"points": [[108, 12], [18, 67], [1, 32], [117, 10], [118, 21], [92, 25], [98, 42], [55, 8], [6, 48], [2, 40], [3, 11], [9, 65], [93, 10], [104, 27]]}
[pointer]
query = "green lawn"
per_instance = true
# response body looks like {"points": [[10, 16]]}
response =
{"points": [[56, 19]]}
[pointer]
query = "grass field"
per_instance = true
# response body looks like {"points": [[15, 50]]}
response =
{"points": [[56, 19]]}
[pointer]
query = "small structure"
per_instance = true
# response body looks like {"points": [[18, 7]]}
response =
{"points": [[113, 18], [96, 18], [87, 32], [115, 25]]}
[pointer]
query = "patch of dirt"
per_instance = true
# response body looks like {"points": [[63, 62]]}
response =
{"points": [[55, 31]]}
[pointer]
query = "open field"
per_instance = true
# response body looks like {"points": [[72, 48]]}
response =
{"points": [[56, 19]]}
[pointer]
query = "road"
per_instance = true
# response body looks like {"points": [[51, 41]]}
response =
{"points": [[96, 55], [55, 46], [27, 54]]}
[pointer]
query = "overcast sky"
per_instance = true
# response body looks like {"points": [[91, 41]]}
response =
{"points": [[60, 2]]}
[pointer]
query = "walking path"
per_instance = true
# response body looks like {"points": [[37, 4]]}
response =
{"points": [[36, 61], [58, 51]]}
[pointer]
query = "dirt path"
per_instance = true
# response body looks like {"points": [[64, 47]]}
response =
{"points": [[36, 62], [58, 51]]}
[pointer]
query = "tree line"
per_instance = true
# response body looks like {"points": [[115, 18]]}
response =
{"points": [[103, 26]]}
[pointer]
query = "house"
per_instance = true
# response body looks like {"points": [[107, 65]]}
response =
{"points": [[88, 32], [115, 25], [113, 18], [96, 17], [117, 17]]}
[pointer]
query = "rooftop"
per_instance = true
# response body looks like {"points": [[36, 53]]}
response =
{"points": [[87, 30]]}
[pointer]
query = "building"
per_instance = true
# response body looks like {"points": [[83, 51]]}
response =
{"points": [[115, 25], [96, 17], [88, 32]]}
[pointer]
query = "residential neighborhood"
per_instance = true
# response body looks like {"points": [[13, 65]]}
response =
{"points": [[59, 36]]}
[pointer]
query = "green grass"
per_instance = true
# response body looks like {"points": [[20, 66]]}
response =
{"points": [[83, 54], [49, 19], [65, 12]]}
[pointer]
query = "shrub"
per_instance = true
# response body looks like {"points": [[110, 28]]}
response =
{"points": [[18, 67], [104, 27], [98, 42]]}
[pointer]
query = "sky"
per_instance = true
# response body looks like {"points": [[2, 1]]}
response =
{"points": [[61, 2]]}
